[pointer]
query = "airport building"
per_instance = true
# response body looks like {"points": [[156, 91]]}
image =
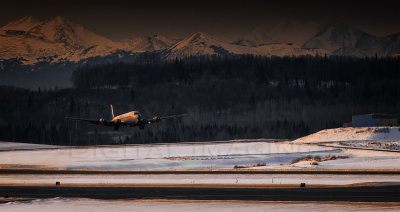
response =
{"points": [[374, 120]]}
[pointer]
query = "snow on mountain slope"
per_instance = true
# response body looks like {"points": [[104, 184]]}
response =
{"points": [[148, 43], [57, 39], [353, 134], [340, 39], [23, 24], [282, 50], [200, 44], [281, 32], [204, 44], [332, 39], [392, 45]]}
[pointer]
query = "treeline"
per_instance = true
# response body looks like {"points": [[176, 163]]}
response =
{"points": [[316, 77], [225, 98]]}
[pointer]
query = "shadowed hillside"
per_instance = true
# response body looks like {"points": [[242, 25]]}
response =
{"points": [[225, 97]]}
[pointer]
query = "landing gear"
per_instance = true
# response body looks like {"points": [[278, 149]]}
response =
{"points": [[117, 124]]}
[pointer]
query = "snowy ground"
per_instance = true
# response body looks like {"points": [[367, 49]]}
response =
{"points": [[164, 157], [375, 145], [67, 204], [196, 179], [377, 134], [16, 146], [219, 155]]}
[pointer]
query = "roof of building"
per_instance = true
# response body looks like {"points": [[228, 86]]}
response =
{"points": [[380, 115]]}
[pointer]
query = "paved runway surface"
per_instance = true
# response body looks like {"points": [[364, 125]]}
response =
{"points": [[361, 193], [354, 194]]}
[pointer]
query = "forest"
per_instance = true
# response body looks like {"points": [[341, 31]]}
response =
{"points": [[224, 97]]}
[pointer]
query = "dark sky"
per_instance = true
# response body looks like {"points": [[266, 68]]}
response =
{"points": [[118, 19]]}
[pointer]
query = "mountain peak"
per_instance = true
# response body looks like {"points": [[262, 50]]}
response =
{"points": [[198, 36], [26, 19], [280, 32], [336, 28], [342, 39], [147, 43], [23, 24], [199, 43], [55, 38], [59, 20], [198, 39]]}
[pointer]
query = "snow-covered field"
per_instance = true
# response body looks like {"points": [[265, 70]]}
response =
{"points": [[212, 155], [377, 134], [375, 145], [367, 138], [196, 179], [73, 204], [19, 146], [165, 156]]}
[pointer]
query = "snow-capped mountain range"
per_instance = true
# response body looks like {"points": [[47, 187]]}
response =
{"points": [[205, 44], [59, 40], [55, 40]]}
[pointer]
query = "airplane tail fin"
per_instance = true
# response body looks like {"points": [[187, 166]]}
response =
{"points": [[112, 111]]}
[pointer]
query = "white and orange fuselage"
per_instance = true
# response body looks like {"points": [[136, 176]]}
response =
{"points": [[131, 117]]}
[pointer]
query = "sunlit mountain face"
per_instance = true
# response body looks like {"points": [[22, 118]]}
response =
{"points": [[59, 40], [54, 40]]}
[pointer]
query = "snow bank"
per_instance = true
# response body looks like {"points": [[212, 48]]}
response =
{"points": [[353, 134], [211, 155], [161, 156], [194, 179], [19, 146], [76, 204]]}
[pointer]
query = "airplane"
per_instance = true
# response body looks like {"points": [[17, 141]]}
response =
{"points": [[131, 119]]}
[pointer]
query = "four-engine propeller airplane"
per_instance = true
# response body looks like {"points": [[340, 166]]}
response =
{"points": [[131, 119]]}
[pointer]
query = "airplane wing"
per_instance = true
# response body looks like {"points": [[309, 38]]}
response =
{"points": [[173, 116], [100, 121], [118, 124], [157, 118]]}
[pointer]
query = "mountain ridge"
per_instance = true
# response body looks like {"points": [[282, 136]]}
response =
{"points": [[59, 39]]}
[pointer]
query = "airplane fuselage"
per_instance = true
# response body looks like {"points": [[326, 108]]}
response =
{"points": [[130, 117]]}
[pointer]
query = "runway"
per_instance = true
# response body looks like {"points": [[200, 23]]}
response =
{"points": [[384, 193]]}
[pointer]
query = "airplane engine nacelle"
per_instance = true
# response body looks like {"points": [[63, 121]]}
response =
{"points": [[156, 118], [100, 121]]}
